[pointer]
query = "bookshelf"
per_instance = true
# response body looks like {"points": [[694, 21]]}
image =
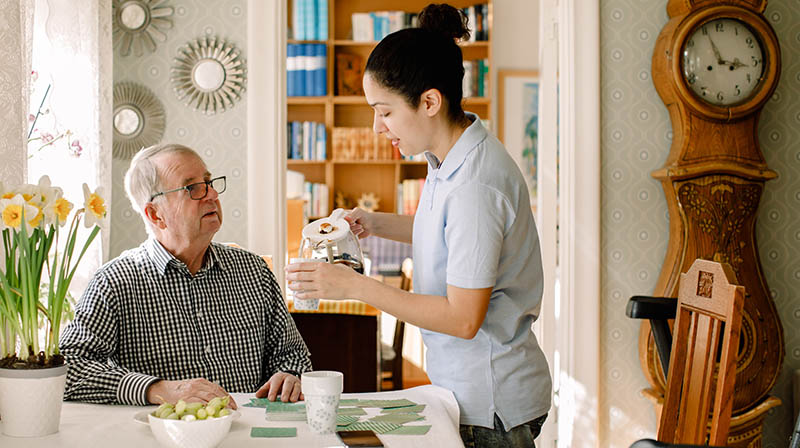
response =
{"points": [[352, 178]]}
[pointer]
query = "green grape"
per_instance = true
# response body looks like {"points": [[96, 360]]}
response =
{"points": [[180, 407], [191, 408], [216, 407], [215, 402]]}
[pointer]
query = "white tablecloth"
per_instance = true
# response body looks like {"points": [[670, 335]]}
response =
{"points": [[92, 425]]}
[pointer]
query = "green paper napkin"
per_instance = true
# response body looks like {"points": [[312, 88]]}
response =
{"points": [[351, 411], [386, 403], [378, 427], [344, 420], [279, 406], [399, 419], [420, 430], [405, 410], [273, 432]]}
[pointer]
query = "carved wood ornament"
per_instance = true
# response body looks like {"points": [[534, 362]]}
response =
{"points": [[715, 64]]}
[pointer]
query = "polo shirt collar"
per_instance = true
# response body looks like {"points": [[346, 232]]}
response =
{"points": [[470, 138], [162, 258]]}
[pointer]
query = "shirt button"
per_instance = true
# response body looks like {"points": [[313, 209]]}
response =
{"points": [[208, 349], [199, 314]]}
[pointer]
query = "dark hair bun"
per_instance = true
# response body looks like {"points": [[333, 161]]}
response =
{"points": [[444, 19]]}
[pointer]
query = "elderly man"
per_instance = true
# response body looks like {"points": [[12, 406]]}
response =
{"points": [[181, 317]]}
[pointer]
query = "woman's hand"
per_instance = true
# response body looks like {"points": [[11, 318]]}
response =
{"points": [[360, 222], [319, 280]]}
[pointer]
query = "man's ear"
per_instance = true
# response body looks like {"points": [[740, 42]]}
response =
{"points": [[153, 216], [431, 101]]}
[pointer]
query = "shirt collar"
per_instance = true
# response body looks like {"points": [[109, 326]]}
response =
{"points": [[470, 138], [162, 258]]}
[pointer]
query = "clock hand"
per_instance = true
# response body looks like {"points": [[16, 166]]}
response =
{"points": [[714, 48]]}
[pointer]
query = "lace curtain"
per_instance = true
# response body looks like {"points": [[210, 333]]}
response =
{"points": [[16, 31], [68, 44]]}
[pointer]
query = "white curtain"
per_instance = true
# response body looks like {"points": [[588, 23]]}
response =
{"points": [[72, 53], [16, 18]]}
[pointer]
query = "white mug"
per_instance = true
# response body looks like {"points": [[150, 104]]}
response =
{"points": [[322, 390], [304, 304]]}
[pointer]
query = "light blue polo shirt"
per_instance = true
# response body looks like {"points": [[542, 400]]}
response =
{"points": [[474, 229]]}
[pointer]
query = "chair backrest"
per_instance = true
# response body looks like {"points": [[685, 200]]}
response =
{"points": [[707, 298]]}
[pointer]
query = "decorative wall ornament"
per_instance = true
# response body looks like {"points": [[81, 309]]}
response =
{"points": [[209, 75], [139, 119], [138, 22], [369, 202]]}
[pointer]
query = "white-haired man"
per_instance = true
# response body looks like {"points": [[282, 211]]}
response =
{"points": [[181, 317]]}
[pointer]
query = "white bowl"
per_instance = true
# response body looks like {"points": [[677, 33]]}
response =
{"points": [[206, 433]]}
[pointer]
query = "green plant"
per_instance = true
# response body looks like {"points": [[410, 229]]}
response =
{"points": [[31, 221]]}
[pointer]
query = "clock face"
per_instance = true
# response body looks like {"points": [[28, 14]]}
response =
{"points": [[723, 62]]}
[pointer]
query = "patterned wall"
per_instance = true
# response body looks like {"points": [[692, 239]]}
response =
{"points": [[220, 139], [636, 137]]}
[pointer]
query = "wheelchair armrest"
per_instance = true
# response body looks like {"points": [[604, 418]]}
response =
{"points": [[658, 310], [646, 307]]}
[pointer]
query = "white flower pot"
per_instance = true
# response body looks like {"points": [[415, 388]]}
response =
{"points": [[30, 400]]}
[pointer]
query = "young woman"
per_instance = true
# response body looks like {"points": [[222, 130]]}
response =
{"points": [[477, 263]]}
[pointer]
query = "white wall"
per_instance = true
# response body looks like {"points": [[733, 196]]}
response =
{"points": [[515, 40]]}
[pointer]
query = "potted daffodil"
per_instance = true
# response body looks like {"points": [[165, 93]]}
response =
{"points": [[39, 264]]}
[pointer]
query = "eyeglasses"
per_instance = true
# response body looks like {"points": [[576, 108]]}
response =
{"points": [[198, 190]]}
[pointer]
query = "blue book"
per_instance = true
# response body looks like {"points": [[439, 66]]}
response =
{"points": [[308, 51], [300, 77], [291, 70], [322, 19], [297, 139], [320, 63], [310, 19], [298, 20], [322, 140]]}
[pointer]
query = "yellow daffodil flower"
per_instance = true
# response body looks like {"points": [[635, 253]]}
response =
{"points": [[95, 207]]}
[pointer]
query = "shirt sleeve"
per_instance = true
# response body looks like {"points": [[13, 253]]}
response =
{"points": [[286, 350], [89, 343], [477, 218]]}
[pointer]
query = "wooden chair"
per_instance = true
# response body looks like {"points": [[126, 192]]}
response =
{"points": [[392, 365], [709, 312]]}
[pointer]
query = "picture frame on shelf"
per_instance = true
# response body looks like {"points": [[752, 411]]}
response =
{"points": [[518, 121]]}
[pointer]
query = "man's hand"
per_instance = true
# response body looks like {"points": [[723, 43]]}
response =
{"points": [[283, 385], [194, 390]]}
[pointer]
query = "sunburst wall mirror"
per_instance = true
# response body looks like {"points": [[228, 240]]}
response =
{"points": [[139, 119], [209, 74], [138, 23]]}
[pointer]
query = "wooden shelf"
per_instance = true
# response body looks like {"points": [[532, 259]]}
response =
{"points": [[358, 100], [300, 100], [353, 178]]}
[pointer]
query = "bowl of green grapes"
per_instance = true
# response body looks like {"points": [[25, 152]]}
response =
{"points": [[192, 425]]}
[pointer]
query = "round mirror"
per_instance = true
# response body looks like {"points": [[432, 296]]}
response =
{"points": [[138, 24], [133, 16], [208, 75], [138, 119], [127, 121]]}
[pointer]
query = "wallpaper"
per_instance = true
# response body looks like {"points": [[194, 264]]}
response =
{"points": [[636, 136], [220, 139]]}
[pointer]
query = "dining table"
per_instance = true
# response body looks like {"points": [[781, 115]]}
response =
{"points": [[118, 426]]}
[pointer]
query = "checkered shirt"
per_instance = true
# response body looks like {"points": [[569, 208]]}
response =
{"points": [[144, 317]]}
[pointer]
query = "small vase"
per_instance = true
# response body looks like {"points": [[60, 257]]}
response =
{"points": [[30, 400]]}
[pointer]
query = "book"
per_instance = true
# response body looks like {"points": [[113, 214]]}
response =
{"points": [[319, 70]]}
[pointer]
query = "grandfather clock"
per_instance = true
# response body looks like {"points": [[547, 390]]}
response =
{"points": [[715, 64]]}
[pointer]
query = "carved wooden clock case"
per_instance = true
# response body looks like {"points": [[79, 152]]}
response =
{"points": [[715, 64]]}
